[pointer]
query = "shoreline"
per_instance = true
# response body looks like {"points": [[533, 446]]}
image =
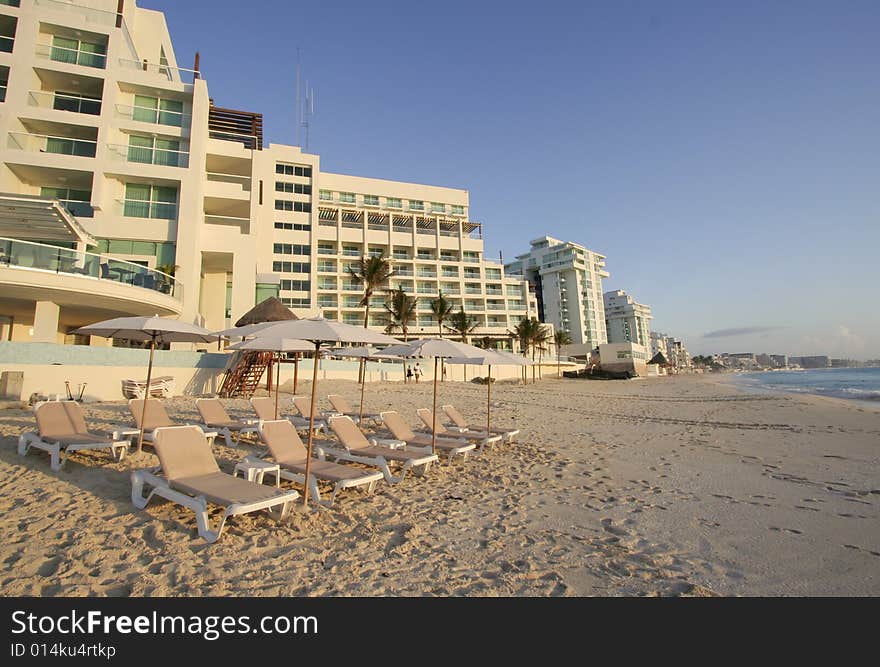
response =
{"points": [[667, 486], [731, 379]]}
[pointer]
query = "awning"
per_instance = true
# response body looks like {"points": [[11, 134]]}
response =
{"points": [[34, 218]]}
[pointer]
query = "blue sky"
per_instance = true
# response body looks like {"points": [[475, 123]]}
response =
{"points": [[724, 156]]}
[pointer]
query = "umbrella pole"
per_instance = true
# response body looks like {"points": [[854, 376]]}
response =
{"points": [[295, 371], [146, 393], [363, 384], [277, 384], [434, 423], [488, 399], [311, 424]]}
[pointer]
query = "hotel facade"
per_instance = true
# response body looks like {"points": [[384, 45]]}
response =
{"points": [[627, 321], [126, 190]]}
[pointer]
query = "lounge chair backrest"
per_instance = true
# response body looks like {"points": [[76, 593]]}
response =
{"points": [[212, 411], [156, 416], [183, 452], [350, 435], [283, 441], [397, 425], [427, 418], [264, 406], [339, 404], [302, 404], [55, 418], [456, 417]]}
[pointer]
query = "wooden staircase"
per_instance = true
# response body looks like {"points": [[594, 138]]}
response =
{"points": [[243, 373]]}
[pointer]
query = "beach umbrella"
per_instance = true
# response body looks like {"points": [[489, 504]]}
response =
{"points": [[362, 354], [319, 331], [277, 345], [155, 330], [491, 358], [438, 348]]}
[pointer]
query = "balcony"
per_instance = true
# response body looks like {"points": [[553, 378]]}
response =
{"points": [[64, 102], [426, 274], [449, 274], [347, 252], [426, 290], [471, 260], [404, 272], [153, 116], [41, 143], [351, 287], [63, 54], [495, 306], [159, 72], [28, 256], [326, 268], [145, 155], [326, 251], [136, 208]]}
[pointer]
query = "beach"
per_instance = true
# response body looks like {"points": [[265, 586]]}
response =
{"points": [[659, 487]]}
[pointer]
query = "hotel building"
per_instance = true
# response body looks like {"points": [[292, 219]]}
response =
{"points": [[567, 281], [124, 189], [626, 320]]}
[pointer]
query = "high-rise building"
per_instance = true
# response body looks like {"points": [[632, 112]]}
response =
{"points": [[567, 280], [627, 321], [124, 189]]}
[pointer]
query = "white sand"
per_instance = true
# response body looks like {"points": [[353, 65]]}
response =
{"points": [[666, 486]]}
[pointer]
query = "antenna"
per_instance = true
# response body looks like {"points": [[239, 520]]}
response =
{"points": [[296, 124], [305, 106], [308, 110]]}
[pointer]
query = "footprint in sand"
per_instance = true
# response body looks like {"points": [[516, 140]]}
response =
{"points": [[793, 531]]}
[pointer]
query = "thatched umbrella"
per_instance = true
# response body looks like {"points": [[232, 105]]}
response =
{"points": [[659, 359], [271, 310]]}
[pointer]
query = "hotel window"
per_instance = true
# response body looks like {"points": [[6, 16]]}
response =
{"points": [[291, 249], [296, 285], [291, 267], [150, 201], [75, 201], [65, 101], [325, 195], [393, 202], [296, 188], [153, 150], [347, 197], [76, 52], [293, 226], [438, 208], [297, 303], [416, 205], [371, 200], [283, 205], [158, 110], [457, 210], [293, 170]]}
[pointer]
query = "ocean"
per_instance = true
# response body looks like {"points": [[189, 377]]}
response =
{"points": [[861, 384]]}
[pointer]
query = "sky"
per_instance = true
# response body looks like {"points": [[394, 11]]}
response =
{"points": [[725, 157]]}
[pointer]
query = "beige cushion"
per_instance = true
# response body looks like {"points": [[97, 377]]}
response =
{"points": [[349, 434], [283, 441], [156, 416], [397, 425], [212, 411], [183, 452], [223, 489], [264, 407]]}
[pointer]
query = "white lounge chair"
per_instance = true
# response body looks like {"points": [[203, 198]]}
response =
{"points": [[303, 406], [155, 417], [356, 447], [264, 406], [289, 452], [482, 439], [216, 418], [461, 425], [450, 446], [189, 475], [61, 429], [343, 407]]}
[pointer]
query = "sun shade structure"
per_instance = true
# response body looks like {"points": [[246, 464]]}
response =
{"points": [[155, 330], [45, 220], [362, 354], [270, 310], [319, 331]]}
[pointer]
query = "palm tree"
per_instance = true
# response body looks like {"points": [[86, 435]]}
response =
{"points": [[539, 342], [462, 324], [372, 272], [524, 332], [560, 338], [401, 309], [441, 308]]}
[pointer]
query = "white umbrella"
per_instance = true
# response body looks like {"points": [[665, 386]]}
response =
{"points": [[437, 348], [272, 344], [244, 331], [152, 329], [317, 330], [362, 354]]}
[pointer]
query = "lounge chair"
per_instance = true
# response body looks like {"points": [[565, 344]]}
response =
{"points": [[215, 417], [155, 417], [289, 452], [264, 406], [356, 447], [61, 430], [343, 407], [450, 446], [191, 477], [303, 406], [461, 425]]}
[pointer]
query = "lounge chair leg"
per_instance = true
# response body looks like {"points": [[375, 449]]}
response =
{"points": [[137, 488], [315, 493], [371, 487]]}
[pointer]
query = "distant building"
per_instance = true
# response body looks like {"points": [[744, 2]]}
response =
{"points": [[818, 361], [763, 360], [626, 320], [567, 281], [779, 360], [673, 349], [621, 357]]}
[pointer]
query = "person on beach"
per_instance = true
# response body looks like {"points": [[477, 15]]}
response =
{"points": [[417, 372], [409, 374]]}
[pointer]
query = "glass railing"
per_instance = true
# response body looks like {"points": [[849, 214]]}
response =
{"points": [[164, 72], [427, 290], [40, 257], [64, 102], [473, 290], [471, 260], [351, 253], [426, 274], [80, 209], [136, 208], [62, 54], [146, 155], [42, 143], [495, 306], [351, 287], [326, 251], [326, 304], [154, 116], [403, 272], [326, 268], [402, 257], [92, 15], [450, 274]]}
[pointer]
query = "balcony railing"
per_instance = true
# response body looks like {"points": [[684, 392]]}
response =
{"points": [[351, 253], [146, 155], [64, 102], [92, 15], [80, 209], [154, 116], [471, 260], [473, 290], [136, 208], [426, 274], [326, 268], [41, 257], [42, 143], [351, 287], [62, 54], [159, 71], [326, 251], [403, 272], [495, 306]]}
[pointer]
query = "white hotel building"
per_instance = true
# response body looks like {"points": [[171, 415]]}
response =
{"points": [[125, 190], [627, 320]]}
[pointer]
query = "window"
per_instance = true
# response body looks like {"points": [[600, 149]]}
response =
{"points": [[297, 188], [290, 249], [416, 205], [371, 200], [438, 208], [296, 285], [291, 267], [4, 81], [76, 52], [297, 303], [293, 226], [158, 110], [293, 170], [457, 210], [394, 202], [77, 103], [300, 206], [75, 201], [347, 197], [153, 150], [326, 195], [150, 201]]}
